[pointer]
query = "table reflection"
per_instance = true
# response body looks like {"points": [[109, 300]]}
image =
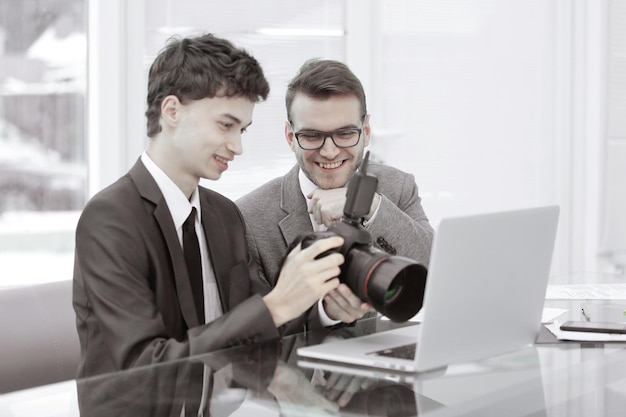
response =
{"points": [[546, 379], [262, 375]]}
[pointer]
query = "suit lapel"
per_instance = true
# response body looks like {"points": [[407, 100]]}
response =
{"points": [[150, 191], [297, 219]]}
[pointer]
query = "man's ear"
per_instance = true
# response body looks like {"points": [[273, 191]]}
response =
{"points": [[170, 107], [367, 130], [289, 136]]}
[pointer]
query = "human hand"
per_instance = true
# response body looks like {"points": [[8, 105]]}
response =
{"points": [[326, 206], [296, 395], [303, 280], [343, 305], [340, 388]]}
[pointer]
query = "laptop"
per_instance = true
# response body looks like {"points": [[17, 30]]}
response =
{"points": [[484, 296]]}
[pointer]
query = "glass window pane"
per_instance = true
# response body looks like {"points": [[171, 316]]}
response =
{"points": [[43, 53]]}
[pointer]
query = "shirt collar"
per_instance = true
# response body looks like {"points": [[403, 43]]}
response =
{"points": [[175, 199], [306, 185]]}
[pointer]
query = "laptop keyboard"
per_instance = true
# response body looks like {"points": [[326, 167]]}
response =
{"points": [[401, 352]]}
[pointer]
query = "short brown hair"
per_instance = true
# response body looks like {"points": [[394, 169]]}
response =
{"points": [[202, 67], [324, 78]]}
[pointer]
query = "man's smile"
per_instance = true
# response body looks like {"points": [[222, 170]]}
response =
{"points": [[330, 165]]}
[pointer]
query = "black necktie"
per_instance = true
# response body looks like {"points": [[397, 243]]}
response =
{"points": [[191, 248]]}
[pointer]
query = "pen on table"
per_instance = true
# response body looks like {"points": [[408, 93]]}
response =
{"points": [[584, 313]]}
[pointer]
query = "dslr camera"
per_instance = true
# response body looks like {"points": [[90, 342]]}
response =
{"points": [[393, 285]]}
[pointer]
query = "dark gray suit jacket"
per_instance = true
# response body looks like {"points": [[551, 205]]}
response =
{"points": [[132, 295], [276, 213]]}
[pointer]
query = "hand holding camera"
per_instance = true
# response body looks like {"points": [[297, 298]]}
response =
{"points": [[343, 305], [393, 285], [305, 276]]}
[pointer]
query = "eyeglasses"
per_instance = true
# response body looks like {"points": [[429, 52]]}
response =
{"points": [[311, 140]]}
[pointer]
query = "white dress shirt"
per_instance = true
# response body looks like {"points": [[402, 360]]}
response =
{"points": [[180, 208]]}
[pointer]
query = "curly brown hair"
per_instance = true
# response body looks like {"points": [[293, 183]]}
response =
{"points": [[202, 67]]}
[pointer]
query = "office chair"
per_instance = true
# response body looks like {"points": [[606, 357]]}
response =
{"points": [[38, 339]]}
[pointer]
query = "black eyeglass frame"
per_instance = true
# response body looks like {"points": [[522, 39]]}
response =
{"points": [[327, 135]]}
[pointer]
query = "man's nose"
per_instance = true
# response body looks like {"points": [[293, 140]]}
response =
{"points": [[329, 149], [235, 144]]}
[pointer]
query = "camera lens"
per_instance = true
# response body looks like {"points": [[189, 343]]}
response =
{"points": [[394, 289], [393, 285]]}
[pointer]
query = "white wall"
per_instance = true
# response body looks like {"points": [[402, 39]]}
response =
{"points": [[613, 220]]}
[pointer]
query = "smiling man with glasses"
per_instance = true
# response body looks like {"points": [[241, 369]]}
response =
{"points": [[328, 128]]}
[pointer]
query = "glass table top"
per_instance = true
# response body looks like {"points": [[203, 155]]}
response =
{"points": [[544, 379]]}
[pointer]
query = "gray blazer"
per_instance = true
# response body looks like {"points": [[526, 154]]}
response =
{"points": [[276, 213]]}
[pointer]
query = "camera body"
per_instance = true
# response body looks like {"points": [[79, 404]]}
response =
{"points": [[393, 285]]}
